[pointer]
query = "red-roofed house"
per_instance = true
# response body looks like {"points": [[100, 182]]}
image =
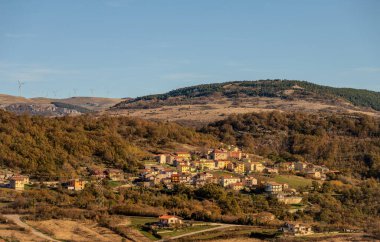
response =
{"points": [[169, 220]]}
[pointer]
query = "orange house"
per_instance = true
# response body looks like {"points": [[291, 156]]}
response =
{"points": [[75, 184]]}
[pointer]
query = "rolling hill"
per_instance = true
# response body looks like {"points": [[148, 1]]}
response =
{"points": [[211, 102], [202, 104]]}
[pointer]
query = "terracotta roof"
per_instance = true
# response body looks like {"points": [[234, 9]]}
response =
{"points": [[17, 179], [168, 216], [220, 151]]}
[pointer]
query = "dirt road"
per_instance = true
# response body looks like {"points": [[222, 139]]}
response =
{"points": [[16, 219]]}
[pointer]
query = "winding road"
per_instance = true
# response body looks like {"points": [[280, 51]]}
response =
{"points": [[16, 219]]}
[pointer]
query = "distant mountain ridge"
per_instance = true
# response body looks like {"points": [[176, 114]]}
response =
{"points": [[56, 107], [285, 89]]}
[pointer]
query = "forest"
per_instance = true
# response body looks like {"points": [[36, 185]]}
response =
{"points": [[59, 147], [347, 142]]}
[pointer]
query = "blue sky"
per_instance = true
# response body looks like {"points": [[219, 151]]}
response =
{"points": [[128, 48]]}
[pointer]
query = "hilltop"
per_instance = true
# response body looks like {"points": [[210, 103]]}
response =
{"points": [[210, 102], [56, 107]]}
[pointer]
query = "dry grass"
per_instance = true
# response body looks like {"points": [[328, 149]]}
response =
{"points": [[219, 109], [75, 230], [13, 232]]}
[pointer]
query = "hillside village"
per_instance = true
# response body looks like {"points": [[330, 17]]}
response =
{"points": [[182, 121], [228, 167]]}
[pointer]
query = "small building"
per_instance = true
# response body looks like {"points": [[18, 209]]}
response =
{"points": [[97, 174], [205, 164], [75, 184], [234, 154], [18, 182], [115, 174], [273, 187], [219, 155], [286, 199], [296, 229], [269, 170], [170, 159], [169, 220], [300, 166], [205, 175], [183, 168], [237, 167], [225, 181], [183, 155], [185, 178], [175, 178], [314, 175], [221, 164], [161, 158], [254, 166], [249, 181], [286, 166]]}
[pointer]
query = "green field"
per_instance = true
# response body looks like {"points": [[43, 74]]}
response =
{"points": [[137, 222], [114, 183], [293, 181], [3, 204], [186, 230], [223, 172]]}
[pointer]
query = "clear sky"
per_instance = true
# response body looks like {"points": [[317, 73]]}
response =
{"points": [[128, 48]]}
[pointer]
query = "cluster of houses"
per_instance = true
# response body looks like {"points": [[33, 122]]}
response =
{"points": [[12, 180], [307, 169], [230, 168], [235, 161], [217, 159]]}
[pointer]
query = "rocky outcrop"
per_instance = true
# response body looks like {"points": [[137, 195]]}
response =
{"points": [[39, 109]]}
